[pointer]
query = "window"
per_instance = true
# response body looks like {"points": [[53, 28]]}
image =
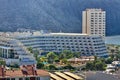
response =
{"points": [[75, 40], [12, 78], [92, 15], [100, 21], [92, 20], [83, 37], [8, 79], [65, 37], [38, 78], [27, 78], [74, 37], [2, 78], [92, 25], [20, 78], [79, 40]]}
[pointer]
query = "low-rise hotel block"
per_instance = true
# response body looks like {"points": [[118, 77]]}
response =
{"points": [[15, 45]]}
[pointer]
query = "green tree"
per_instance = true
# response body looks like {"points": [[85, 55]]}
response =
{"points": [[117, 56], [112, 51], [36, 53], [108, 60], [51, 57], [90, 66], [43, 59], [112, 56], [30, 49], [2, 62], [95, 58], [64, 60], [100, 66], [62, 55], [68, 67], [76, 54], [57, 59], [52, 67], [67, 54], [40, 65]]}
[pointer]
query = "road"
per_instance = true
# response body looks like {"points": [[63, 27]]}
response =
{"points": [[90, 75]]}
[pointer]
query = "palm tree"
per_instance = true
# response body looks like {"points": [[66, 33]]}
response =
{"points": [[30, 49], [77, 54], [67, 54], [36, 54], [51, 57], [62, 55], [112, 51], [43, 59]]}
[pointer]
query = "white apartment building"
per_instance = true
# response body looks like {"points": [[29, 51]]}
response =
{"points": [[87, 45], [13, 46], [94, 22]]}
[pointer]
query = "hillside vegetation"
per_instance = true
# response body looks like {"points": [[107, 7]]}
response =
{"points": [[55, 15]]}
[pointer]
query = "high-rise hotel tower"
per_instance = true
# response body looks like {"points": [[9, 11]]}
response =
{"points": [[94, 22]]}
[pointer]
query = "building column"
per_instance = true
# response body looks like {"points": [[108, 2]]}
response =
{"points": [[2, 52], [7, 53], [16, 78]]}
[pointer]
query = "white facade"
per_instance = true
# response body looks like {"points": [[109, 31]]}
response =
{"points": [[87, 45], [57, 42], [13, 52], [94, 22]]}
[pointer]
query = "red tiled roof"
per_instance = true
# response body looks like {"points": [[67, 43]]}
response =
{"points": [[19, 73], [28, 70], [25, 70], [42, 73], [15, 73]]}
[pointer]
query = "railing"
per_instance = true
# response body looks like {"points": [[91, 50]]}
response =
{"points": [[18, 47]]}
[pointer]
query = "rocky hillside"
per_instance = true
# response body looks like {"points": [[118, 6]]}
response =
{"points": [[55, 15]]}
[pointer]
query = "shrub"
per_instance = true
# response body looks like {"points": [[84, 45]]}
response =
{"points": [[40, 65], [52, 67]]}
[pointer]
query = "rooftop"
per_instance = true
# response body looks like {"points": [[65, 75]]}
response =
{"points": [[18, 73], [24, 71], [94, 9], [91, 75], [14, 35], [67, 34], [31, 71], [65, 76]]}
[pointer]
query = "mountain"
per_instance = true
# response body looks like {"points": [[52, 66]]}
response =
{"points": [[55, 15]]}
